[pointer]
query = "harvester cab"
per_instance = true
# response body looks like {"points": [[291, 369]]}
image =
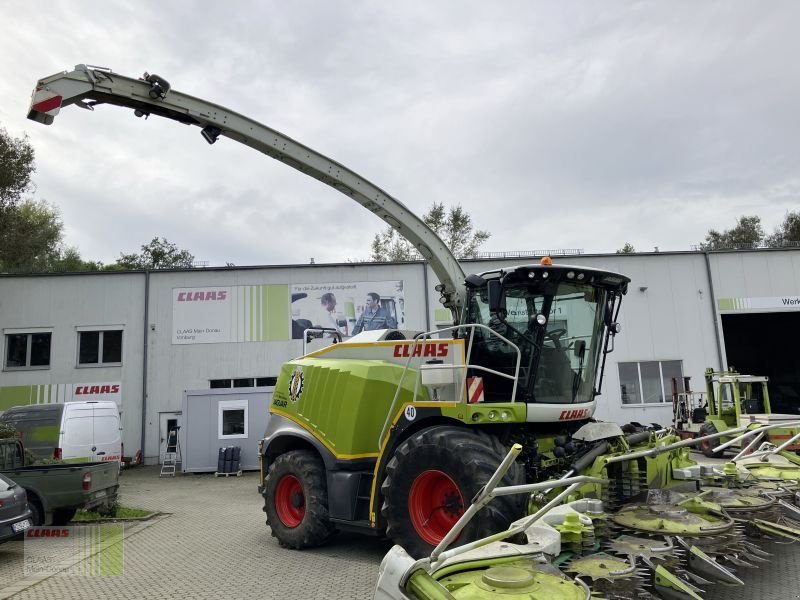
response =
{"points": [[562, 318]]}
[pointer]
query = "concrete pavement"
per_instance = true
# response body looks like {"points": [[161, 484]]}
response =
{"points": [[213, 543]]}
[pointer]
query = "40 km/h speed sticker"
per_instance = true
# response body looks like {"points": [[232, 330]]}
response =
{"points": [[411, 413]]}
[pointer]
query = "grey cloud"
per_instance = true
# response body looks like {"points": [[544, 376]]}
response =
{"points": [[555, 125]]}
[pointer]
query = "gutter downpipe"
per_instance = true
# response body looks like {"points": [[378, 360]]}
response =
{"points": [[427, 296], [144, 357], [714, 310]]}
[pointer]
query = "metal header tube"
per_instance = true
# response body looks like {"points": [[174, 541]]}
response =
{"points": [[573, 482], [749, 446], [766, 453], [674, 446], [754, 431]]}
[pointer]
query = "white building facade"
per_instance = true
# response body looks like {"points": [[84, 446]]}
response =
{"points": [[144, 338]]}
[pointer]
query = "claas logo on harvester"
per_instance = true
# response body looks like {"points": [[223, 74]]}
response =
{"points": [[573, 415], [424, 350]]}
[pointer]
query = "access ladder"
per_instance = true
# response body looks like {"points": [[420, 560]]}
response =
{"points": [[172, 456]]}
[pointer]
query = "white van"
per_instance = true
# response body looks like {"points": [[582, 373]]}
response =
{"points": [[83, 431]]}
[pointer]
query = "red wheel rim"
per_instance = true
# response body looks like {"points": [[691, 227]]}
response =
{"points": [[290, 503], [434, 505]]}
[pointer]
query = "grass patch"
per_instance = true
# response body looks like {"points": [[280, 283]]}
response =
{"points": [[121, 512]]}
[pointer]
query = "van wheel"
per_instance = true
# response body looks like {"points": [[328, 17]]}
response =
{"points": [[63, 516], [296, 500]]}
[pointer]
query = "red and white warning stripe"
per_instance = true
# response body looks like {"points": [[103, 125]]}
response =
{"points": [[46, 102], [474, 389]]}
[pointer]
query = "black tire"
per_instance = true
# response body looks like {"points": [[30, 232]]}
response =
{"points": [[707, 447], [296, 500], [37, 514], [63, 516], [458, 457]]}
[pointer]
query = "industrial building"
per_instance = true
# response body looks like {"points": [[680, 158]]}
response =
{"points": [[153, 341]]}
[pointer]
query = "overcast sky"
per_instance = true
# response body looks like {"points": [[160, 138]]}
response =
{"points": [[554, 124]]}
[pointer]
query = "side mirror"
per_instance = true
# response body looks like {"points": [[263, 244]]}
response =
{"points": [[474, 281], [580, 348], [497, 299]]}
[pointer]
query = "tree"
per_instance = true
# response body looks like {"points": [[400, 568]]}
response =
{"points": [[16, 168], [454, 226], [31, 231], [31, 235], [69, 260], [158, 254], [747, 233], [787, 232], [627, 249]]}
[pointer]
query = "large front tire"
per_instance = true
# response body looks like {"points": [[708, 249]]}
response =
{"points": [[296, 500], [707, 447], [431, 480]]}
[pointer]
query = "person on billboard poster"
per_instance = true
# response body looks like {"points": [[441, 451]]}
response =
{"points": [[374, 316], [329, 317]]}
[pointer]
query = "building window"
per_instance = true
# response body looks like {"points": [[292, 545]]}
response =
{"points": [[242, 382], [99, 348], [28, 350], [232, 419], [649, 382]]}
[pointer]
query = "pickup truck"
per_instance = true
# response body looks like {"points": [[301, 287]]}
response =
{"points": [[56, 491]]}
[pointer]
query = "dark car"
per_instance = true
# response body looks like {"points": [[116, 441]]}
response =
{"points": [[15, 516]]}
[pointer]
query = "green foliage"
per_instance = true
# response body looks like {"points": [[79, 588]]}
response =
{"points": [[453, 226], [30, 236], [747, 233], [32, 240], [111, 511], [7, 431], [392, 247], [69, 260], [31, 232], [16, 168], [158, 254], [787, 232], [627, 249]]}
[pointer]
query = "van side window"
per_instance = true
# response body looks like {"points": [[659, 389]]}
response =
{"points": [[28, 350], [100, 348]]}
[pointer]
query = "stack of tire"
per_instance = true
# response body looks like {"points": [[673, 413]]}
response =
{"points": [[228, 459]]}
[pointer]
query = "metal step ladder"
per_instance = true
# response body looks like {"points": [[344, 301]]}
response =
{"points": [[172, 456]]}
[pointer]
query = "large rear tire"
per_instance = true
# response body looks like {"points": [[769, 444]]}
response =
{"points": [[431, 480], [707, 447], [296, 500]]}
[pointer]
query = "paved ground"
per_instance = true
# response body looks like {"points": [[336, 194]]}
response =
{"points": [[214, 544]]}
